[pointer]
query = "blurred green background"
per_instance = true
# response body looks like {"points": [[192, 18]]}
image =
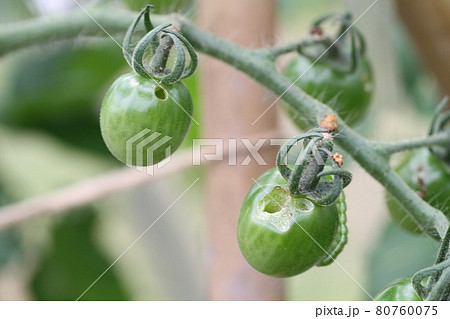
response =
{"points": [[49, 137]]}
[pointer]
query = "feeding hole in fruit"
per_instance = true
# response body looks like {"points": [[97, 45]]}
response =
{"points": [[274, 209], [274, 201], [302, 204], [161, 94]]}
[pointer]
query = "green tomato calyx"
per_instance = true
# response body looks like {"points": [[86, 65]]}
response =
{"points": [[152, 58], [308, 178], [441, 123], [340, 55]]}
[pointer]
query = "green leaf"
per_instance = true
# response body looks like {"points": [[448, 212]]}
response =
{"points": [[398, 254], [59, 90], [74, 262]]}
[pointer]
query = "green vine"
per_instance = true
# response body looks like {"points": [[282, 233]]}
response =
{"points": [[259, 65]]}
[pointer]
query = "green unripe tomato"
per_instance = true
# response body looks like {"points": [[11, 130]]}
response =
{"points": [[280, 235], [145, 120], [430, 178], [399, 290], [347, 93]]}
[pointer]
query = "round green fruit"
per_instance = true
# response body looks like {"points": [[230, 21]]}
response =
{"points": [[430, 178], [281, 235], [143, 122], [348, 93], [399, 290]]}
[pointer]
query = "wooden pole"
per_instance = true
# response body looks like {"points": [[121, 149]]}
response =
{"points": [[428, 23], [232, 102]]}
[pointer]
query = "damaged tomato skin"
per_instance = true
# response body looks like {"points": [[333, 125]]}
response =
{"points": [[284, 254]]}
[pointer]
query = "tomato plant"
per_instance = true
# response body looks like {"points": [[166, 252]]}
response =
{"points": [[429, 177], [399, 290], [293, 217]]}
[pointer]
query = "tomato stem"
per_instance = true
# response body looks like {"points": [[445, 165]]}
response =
{"points": [[151, 40], [315, 164], [441, 289], [437, 286], [162, 53], [389, 148], [307, 166], [276, 51], [443, 256]]}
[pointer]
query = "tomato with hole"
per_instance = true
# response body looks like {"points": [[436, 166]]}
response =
{"points": [[430, 178], [281, 235], [348, 93], [143, 122], [399, 290]]}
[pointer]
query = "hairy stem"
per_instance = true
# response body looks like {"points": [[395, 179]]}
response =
{"points": [[162, 53], [69, 26], [289, 47], [440, 287], [258, 66], [439, 139]]}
